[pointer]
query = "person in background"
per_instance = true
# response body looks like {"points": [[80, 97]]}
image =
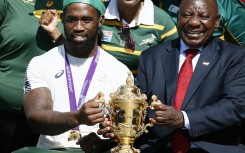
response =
{"points": [[130, 27], [21, 39], [200, 84], [232, 25], [63, 86]]}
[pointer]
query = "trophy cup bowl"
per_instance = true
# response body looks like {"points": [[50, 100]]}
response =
{"points": [[127, 114]]}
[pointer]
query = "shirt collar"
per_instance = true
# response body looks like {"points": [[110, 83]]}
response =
{"points": [[146, 15], [184, 47]]}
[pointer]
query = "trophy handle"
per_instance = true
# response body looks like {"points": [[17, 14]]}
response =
{"points": [[102, 103], [152, 107], [147, 125], [154, 102]]}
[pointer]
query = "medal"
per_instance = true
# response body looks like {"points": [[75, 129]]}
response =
{"points": [[74, 135]]}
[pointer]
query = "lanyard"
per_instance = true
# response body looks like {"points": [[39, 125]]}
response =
{"points": [[86, 84]]}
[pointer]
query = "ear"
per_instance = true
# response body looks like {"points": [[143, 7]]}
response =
{"points": [[217, 21], [101, 20]]}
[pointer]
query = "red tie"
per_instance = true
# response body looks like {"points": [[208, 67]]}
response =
{"points": [[179, 142]]}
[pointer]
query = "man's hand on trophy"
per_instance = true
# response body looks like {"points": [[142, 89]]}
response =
{"points": [[102, 103], [90, 112], [105, 130], [167, 116], [91, 143]]}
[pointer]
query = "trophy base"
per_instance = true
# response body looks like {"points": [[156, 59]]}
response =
{"points": [[124, 149]]}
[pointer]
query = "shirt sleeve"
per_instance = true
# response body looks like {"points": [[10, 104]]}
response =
{"points": [[35, 76], [186, 120]]}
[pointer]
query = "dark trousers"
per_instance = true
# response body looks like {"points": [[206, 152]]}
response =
{"points": [[15, 133]]}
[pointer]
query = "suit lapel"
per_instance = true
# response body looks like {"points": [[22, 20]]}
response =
{"points": [[206, 61], [170, 68]]}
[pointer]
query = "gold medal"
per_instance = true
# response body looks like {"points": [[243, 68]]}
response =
{"points": [[74, 135]]}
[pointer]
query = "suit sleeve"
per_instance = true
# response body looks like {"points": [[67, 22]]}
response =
{"points": [[229, 110], [141, 77]]}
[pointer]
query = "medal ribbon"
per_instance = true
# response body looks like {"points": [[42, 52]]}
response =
{"points": [[86, 84]]}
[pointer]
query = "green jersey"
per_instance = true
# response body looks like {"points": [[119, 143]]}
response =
{"points": [[233, 21], [143, 37], [21, 39]]}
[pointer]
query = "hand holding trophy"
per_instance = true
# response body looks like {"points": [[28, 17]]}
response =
{"points": [[127, 112]]}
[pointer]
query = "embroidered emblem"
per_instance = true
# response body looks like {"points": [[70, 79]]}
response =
{"points": [[148, 40], [107, 35], [205, 63], [29, 2]]}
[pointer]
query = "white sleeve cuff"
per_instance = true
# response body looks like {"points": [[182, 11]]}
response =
{"points": [[186, 120]]}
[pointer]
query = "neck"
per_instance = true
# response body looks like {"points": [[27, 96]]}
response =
{"points": [[132, 11]]}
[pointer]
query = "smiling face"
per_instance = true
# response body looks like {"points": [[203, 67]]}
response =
{"points": [[197, 20], [81, 23]]}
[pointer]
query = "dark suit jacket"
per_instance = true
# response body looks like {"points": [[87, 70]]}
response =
{"points": [[215, 98]]}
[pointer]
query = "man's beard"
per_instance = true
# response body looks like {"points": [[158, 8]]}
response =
{"points": [[86, 46]]}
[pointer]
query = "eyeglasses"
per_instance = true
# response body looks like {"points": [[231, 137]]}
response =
{"points": [[129, 42]]}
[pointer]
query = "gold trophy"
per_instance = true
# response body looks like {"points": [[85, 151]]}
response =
{"points": [[127, 112]]}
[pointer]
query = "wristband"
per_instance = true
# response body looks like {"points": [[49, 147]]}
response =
{"points": [[58, 39]]}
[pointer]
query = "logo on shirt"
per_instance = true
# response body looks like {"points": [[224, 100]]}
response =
{"points": [[205, 63], [29, 1], [107, 35], [148, 40], [59, 74]]}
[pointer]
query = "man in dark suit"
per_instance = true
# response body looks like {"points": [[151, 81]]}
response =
{"points": [[212, 105], [201, 91]]}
